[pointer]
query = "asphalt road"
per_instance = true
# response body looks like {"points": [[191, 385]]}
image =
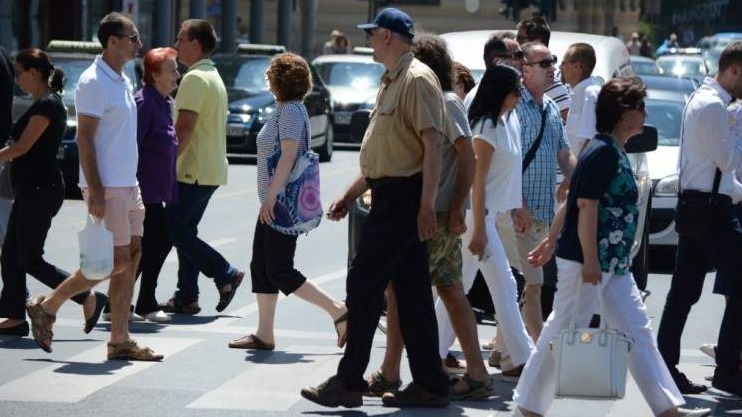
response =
{"points": [[200, 376]]}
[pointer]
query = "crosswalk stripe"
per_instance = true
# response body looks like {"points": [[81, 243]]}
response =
{"points": [[282, 375], [222, 241], [66, 382]]}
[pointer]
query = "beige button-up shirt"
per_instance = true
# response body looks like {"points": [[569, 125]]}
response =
{"points": [[409, 101]]}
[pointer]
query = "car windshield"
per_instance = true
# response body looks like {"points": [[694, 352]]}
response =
{"points": [[356, 75], [666, 117], [682, 66], [243, 73], [649, 68]]}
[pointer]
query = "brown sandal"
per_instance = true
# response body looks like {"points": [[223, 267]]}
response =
{"points": [[251, 342], [131, 351], [342, 338], [41, 323]]}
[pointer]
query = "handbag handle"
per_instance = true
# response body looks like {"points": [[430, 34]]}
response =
{"points": [[576, 308]]}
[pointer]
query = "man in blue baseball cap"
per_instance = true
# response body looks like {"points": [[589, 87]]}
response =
{"points": [[401, 164]]}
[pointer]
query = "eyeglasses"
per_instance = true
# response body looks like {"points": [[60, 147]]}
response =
{"points": [[544, 63], [132, 38], [517, 55]]}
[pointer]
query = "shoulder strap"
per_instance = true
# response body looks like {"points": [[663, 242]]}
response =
{"points": [[304, 145], [531, 154]]}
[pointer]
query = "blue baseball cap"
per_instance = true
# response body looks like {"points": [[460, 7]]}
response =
{"points": [[393, 19]]}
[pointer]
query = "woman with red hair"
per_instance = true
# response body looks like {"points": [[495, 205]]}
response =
{"points": [[158, 149]]}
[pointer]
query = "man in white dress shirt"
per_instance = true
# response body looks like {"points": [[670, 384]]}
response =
{"points": [[577, 67], [708, 230]]}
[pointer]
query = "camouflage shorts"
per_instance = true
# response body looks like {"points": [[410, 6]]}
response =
{"points": [[444, 251]]}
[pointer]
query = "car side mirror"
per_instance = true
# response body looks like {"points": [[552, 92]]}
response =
{"points": [[643, 142], [358, 123]]}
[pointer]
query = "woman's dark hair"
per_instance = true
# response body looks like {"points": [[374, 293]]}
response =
{"points": [[617, 96], [461, 74], [498, 81], [432, 51], [112, 24], [290, 76], [202, 31], [35, 58]]}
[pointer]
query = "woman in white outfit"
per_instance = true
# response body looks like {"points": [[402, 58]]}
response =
{"points": [[496, 189], [597, 226]]}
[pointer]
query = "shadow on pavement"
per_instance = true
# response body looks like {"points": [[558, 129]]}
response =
{"points": [[28, 342], [275, 357]]}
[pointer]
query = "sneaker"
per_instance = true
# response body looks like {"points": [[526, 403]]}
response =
{"points": [[709, 349], [333, 393], [685, 386], [158, 316], [179, 306], [696, 412], [512, 375], [452, 365], [414, 395], [728, 383]]}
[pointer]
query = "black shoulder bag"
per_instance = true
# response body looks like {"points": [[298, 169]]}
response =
{"points": [[536, 143]]}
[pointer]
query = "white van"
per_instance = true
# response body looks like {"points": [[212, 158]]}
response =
{"points": [[612, 60]]}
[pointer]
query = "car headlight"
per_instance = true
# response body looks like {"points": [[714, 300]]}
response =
{"points": [[667, 187]]}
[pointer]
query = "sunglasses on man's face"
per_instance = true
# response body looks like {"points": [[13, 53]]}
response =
{"points": [[544, 63]]}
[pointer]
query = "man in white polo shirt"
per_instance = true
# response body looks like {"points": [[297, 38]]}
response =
{"points": [[107, 141], [577, 68]]}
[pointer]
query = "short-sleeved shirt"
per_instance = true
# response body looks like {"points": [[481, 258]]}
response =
{"points": [[580, 125], [202, 91], [603, 173], [290, 121], [39, 165], [409, 101], [559, 92], [158, 146], [539, 180], [456, 125], [107, 95], [503, 190]]}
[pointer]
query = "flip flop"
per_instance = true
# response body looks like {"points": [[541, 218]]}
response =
{"points": [[100, 303], [344, 337], [251, 342]]}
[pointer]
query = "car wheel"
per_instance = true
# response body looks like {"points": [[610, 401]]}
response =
{"points": [[325, 151], [640, 265]]}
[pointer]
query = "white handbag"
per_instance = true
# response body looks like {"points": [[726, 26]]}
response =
{"points": [[591, 363]]}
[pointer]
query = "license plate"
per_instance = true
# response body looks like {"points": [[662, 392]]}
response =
{"points": [[342, 118], [235, 130], [60, 152]]}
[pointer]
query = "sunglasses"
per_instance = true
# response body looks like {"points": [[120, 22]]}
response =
{"points": [[544, 63], [517, 55], [132, 38]]}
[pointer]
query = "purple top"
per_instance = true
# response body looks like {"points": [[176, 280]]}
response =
{"points": [[158, 146]]}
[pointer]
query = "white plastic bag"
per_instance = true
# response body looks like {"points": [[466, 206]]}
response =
{"points": [[96, 249]]}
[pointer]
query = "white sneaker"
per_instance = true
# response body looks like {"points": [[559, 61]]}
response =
{"points": [[158, 316], [696, 412], [709, 349]]}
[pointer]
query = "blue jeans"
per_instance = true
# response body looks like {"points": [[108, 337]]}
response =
{"points": [[195, 255]]}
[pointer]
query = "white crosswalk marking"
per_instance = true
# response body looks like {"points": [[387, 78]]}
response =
{"points": [[62, 383], [173, 255], [282, 375]]}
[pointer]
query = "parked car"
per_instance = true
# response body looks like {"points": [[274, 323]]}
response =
{"points": [[612, 61], [643, 65], [683, 65], [73, 57], [251, 103], [352, 80]]}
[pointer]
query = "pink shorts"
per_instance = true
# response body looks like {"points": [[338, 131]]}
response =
{"points": [[124, 213]]}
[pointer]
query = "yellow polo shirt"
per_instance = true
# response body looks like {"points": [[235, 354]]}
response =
{"points": [[409, 101], [204, 159]]}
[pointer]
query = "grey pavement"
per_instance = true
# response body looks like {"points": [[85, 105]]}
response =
{"points": [[200, 376]]}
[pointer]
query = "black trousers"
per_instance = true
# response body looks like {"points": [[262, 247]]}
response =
{"points": [[718, 241], [23, 249], [272, 266], [156, 244], [390, 249]]}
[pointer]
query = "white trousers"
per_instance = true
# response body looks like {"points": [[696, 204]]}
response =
{"points": [[624, 310], [502, 287]]}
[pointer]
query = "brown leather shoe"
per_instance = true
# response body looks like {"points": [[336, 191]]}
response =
{"points": [[332, 393], [414, 395], [178, 306]]}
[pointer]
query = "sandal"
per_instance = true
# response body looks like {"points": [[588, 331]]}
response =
{"points": [[475, 390], [226, 296], [41, 323], [378, 385], [251, 342], [100, 301], [131, 351], [179, 306], [342, 338]]}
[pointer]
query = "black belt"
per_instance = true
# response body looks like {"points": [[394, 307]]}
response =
{"points": [[705, 197], [387, 181]]}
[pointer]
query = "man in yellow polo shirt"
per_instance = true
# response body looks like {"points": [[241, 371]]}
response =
{"points": [[400, 162], [201, 117]]}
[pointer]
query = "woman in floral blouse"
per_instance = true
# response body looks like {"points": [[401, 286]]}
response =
{"points": [[597, 226]]}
